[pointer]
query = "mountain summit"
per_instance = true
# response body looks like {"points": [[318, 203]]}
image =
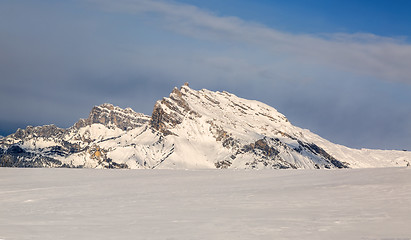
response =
{"points": [[188, 129]]}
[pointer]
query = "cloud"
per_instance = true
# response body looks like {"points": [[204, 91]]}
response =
{"points": [[62, 58], [361, 53]]}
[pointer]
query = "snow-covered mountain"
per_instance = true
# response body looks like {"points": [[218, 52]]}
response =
{"points": [[188, 129]]}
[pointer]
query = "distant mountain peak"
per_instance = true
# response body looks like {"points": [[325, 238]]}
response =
{"points": [[188, 129], [45, 131], [110, 116]]}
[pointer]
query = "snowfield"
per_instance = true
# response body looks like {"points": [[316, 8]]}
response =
{"points": [[205, 204]]}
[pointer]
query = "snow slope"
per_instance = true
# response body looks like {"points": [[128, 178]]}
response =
{"points": [[52, 204], [207, 115], [190, 129]]}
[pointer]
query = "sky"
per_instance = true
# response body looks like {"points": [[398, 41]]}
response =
{"points": [[339, 68]]}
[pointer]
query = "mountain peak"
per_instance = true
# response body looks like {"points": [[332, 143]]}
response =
{"points": [[188, 129], [110, 115], [108, 106], [45, 131], [170, 111]]}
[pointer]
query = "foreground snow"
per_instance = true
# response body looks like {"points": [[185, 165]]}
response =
{"points": [[205, 204]]}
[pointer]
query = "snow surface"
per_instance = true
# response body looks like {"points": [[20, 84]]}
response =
{"points": [[205, 204]]}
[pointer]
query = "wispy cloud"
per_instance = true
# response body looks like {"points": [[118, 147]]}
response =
{"points": [[362, 53]]}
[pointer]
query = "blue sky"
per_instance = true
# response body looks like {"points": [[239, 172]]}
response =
{"points": [[381, 17], [339, 68]]}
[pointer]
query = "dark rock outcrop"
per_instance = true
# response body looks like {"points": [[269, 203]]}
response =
{"points": [[15, 156], [169, 112]]}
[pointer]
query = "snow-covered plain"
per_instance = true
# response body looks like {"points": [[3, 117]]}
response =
{"points": [[205, 204]]}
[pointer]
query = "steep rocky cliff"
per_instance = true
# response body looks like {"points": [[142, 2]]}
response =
{"points": [[112, 116]]}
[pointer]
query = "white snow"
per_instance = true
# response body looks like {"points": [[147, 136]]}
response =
{"points": [[36, 143], [205, 204], [99, 132]]}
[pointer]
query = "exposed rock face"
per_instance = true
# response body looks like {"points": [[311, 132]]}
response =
{"points": [[169, 112], [111, 116], [321, 152], [47, 131], [160, 120], [100, 155], [188, 129], [15, 156]]}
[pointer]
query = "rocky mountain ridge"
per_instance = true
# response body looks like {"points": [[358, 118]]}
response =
{"points": [[188, 129]]}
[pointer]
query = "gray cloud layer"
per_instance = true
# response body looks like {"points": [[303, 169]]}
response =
{"points": [[368, 54]]}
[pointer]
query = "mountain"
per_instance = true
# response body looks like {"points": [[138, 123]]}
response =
{"points": [[189, 129]]}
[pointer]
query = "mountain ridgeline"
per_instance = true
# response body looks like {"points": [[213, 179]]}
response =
{"points": [[188, 130]]}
